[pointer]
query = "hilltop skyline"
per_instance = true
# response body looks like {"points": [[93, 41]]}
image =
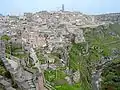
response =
{"points": [[16, 7]]}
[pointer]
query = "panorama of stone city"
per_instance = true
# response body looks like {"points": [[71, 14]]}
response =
{"points": [[60, 50]]}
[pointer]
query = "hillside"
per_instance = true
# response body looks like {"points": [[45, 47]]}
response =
{"points": [[59, 51]]}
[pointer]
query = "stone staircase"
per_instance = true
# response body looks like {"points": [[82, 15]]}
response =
{"points": [[48, 86], [31, 84]]}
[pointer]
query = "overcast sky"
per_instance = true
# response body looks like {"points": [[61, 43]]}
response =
{"points": [[85, 6]]}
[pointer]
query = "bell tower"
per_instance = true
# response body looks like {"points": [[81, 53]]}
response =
{"points": [[62, 7]]}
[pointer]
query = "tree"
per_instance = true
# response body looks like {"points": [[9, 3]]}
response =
{"points": [[5, 38]]}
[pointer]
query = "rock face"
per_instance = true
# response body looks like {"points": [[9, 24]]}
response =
{"points": [[17, 72]]}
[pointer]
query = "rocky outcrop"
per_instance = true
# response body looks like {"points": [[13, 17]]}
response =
{"points": [[18, 74], [26, 78]]}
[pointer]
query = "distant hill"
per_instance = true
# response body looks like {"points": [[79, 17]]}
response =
{"points": [[1, 15], [111, 17]]}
